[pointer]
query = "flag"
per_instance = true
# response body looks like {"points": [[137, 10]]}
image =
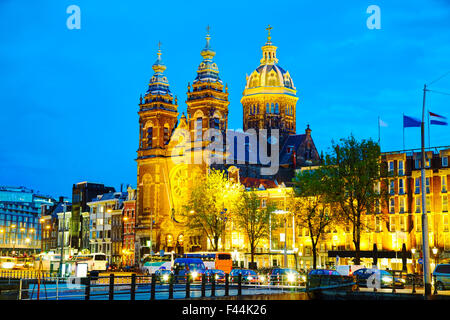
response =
{"points": [[433, 120], [382, 123], [411, 122]]}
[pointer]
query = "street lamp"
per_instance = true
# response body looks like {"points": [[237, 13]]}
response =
{"points": [[435, 253]]}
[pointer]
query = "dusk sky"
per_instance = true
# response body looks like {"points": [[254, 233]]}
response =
{"points": [[69, 98]]}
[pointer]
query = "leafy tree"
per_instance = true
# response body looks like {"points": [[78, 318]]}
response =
{"points": [[310, 205], [252, 219], [210, 204], [353, 172]]}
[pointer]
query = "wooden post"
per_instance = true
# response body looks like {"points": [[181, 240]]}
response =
{"points": [[240, 284], [133, 287], [203, 285], [111, 286], [227, 284], [171, 286], [87, 290], [188, 286], [153, 287]]}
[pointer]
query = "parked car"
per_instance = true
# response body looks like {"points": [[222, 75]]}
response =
{"points": [[387, 280], [285, 276], [219, 275], [248, 276], [162, 275], [441, 275], [188, 266]]}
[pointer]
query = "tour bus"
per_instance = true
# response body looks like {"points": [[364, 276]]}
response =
{"points": [[213, 260], [94, 261], [7, 262], [151, 263]]}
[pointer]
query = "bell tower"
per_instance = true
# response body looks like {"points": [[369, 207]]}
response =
{"points": [[207, 99], [157, 119]]}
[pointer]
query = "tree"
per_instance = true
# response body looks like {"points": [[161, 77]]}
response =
{"points": [[210, 204], [353, 172], [252, 219], [310, 205]]}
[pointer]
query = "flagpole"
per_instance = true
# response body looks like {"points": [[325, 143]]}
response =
{"points": [[379, 132], [403, 131], [429, 140], [425, 246]]}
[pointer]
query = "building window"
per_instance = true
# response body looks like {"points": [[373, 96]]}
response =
{"points": [[392, 205], [445, 161], [444, 184], [445, 222], [402, 223], [418, 223], [391, 187], [418, 207], [263, 203], [427, 185], [377, 224], [166, 135], [267, 108], [216, 123], [392, 223], [402, 205], [401, 183], [199, 128], [391, 168], [276, 108], [417, 186], [417, 164], [400, 168], [444, 203], [150, 137], [428, 204]]}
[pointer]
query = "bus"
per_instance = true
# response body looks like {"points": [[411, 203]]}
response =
{"points": [[94, 261], [7, 262], [213, 260], [151, 263]]}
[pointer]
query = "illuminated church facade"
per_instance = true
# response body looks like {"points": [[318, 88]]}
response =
{"points": [[170, 145]]}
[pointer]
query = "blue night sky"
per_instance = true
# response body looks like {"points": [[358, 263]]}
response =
{"points": [[69, 98]]}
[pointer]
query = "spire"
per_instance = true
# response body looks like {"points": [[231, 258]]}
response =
{"points": [[159, 66], [207, 53], [269, 50]]}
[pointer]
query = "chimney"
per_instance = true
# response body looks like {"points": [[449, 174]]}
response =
{"points": [[308, 130]]}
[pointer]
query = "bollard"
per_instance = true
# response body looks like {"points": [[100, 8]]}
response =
{"points": [[227, 285], [188, 286], [111, 286], [239, 284], [87, 289], [133, 287], [171, 286], [203, 285], [213, 285], [153, 287]]}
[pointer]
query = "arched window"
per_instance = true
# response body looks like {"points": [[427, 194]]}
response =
{"points": [[267, 108], [257, 108], [166, 133], [271, 108], [150, 137], [198, 128], [276, 108]]}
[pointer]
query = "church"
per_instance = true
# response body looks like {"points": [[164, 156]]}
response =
{"points": [[172, 149]]}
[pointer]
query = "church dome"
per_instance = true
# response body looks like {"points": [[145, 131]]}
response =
{"points": [[269, 74]]}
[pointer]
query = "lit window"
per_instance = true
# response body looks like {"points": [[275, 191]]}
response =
{"points": [[392, 205], [445, 222], [401, 186], [402, 205], [418, 206], [444, 203], [444, 184], [199, 127], [392, 223], [400, 168], [428, 204]]}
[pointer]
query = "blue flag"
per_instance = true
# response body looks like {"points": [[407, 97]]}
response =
{"points": [[411, 122]]}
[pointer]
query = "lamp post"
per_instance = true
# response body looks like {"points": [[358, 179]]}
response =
{"points": [[435, 253], [61, 260]]}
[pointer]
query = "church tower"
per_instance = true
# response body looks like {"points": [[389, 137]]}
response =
{"points": [[207, 101], [269, 98], [157, 119]]}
